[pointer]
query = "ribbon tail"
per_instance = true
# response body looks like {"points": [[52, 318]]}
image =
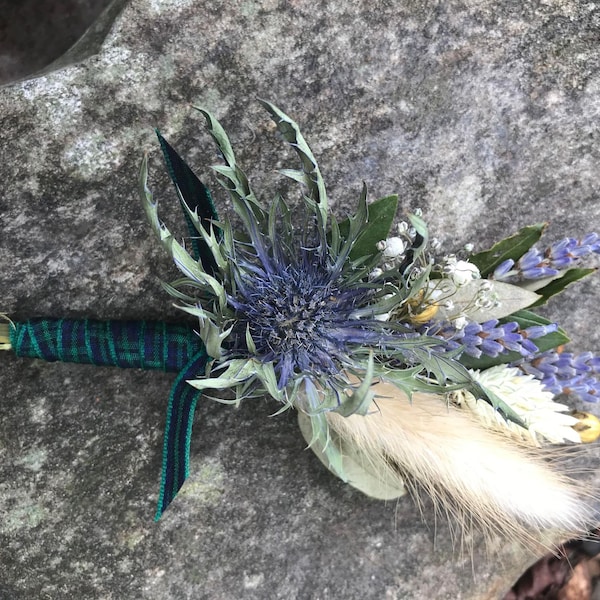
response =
{"points": [[178, 431]]}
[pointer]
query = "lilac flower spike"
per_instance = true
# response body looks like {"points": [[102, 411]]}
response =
{"points": [[535, 264], [490, 338], [566, 373]]}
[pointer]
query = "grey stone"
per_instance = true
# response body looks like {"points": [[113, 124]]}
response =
{"points": [[483, 114]]}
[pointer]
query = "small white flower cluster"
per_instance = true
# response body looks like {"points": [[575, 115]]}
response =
{"points": [[460, 272], [461, 303], [485, 298], [393, 249]]}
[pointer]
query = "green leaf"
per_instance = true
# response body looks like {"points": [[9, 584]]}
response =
{"points": [[380, 217], [512, 247], [509, 299], [524, 318], [326, 449], [357, 223], [351, 465], [556, 286]]}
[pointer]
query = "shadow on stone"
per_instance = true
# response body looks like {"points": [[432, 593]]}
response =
{"points": [[40, 37]]}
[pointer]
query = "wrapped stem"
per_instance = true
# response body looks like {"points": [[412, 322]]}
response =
{"points": [[126, 344]]}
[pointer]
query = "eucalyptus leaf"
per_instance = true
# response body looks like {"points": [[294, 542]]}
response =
{"points": [[319, 436], [512, 247], [355, 467], [507, 299], [533, 285]]}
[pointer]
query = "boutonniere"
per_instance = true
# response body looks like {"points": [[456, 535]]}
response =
{"points": [[410, 368]]}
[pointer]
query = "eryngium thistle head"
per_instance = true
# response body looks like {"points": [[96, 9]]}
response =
{"points": [[299, 313], [293, 311]]}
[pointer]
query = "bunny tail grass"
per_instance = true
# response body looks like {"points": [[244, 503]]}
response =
{"points": [[476, 475], [5, 343]]}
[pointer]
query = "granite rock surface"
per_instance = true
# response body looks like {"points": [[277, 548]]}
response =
{"points": [[482, 114]]}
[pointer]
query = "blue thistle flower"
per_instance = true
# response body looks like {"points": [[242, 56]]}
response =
{"points": [[298, 311], [290, 311]]}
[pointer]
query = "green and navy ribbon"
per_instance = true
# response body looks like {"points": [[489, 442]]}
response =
{"points": [[142, 344], [178, 431], [126, 344], [130, 344]]}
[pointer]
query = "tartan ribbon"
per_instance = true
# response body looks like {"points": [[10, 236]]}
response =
{"points": [[142, 344], [178, 432], [130, 344], [150, 345]]}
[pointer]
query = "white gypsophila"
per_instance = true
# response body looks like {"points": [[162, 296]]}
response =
{"points": [[546, 420], [393, 247], [460, 272], [460, 322]]}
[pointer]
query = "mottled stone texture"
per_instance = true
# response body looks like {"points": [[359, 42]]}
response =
{"points": [[484, 114]]}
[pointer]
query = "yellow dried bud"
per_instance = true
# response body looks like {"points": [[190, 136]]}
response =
{"points": [[588, 427], [425, 315]]}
